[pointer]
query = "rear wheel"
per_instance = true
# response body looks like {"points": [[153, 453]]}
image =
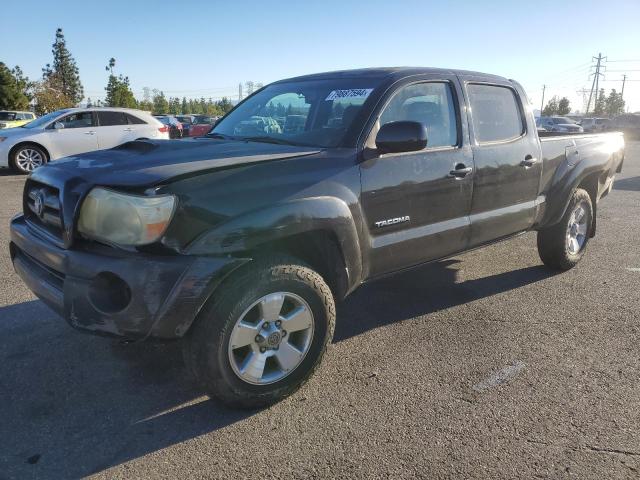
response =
{"points": [[561, 246], [263, 337], [26, 158]]}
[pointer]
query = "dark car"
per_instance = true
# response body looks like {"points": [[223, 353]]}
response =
{"points": [[176, 129], [187, 121], [240, 243]]}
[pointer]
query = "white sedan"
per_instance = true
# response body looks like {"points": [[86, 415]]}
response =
{"points": [[73, 131]]}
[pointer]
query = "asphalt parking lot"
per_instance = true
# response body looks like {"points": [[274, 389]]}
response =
{"points": [[486, 365]]}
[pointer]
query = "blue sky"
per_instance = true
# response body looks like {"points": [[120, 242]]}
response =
{"points": [[198, 48]]}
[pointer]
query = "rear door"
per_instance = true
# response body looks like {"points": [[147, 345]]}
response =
{"points": [[415, 209], [505, 152], [138, 128], [113, 129]]}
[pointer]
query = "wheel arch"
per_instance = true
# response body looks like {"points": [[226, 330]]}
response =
{"points": [[320, 231], [23, 143]]}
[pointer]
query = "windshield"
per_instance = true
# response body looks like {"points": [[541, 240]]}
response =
{"points": [[313, 113], [43, 121], [7, 116]]}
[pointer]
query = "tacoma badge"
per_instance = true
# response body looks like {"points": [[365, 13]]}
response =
{"points": [[392, 221]]}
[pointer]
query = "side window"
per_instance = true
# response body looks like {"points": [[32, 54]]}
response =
{"points": [[427, 103], [109, 119], [495, 113], [133, 120], [78, 120]]}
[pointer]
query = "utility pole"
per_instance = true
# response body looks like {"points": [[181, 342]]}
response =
{"points": [[240, 92], [624, 79], [544, 87], [596, 79]]}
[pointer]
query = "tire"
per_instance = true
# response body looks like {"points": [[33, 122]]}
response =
{"points": [[27, 157], [247, 299], [561, 246]]}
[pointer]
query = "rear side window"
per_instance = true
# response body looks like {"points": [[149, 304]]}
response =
{"points": [[430, 104], [495, 113], [133, 120], [109, 119]]}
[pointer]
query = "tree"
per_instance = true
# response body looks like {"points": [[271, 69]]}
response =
{"points": [[12, 89], [174, 105], [601, 103], [614, 104], [160, 104], [551, 108], [49, 97], [185, 106], [225, 105], [64, 72], [563, 106], [119, 93]]}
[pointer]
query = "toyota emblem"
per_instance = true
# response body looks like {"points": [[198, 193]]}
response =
{"points": [[39, 204]]}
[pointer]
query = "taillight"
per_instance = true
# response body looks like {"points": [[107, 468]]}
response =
{"points": [[163, 129]]}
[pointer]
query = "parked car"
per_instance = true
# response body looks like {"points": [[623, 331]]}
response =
{"points": [[176, 130], [187, 122], [240, 246], [12, 119], [595, 124], [202, 124], [72, 131], [559, 124], [629, 123], [257, 125]]}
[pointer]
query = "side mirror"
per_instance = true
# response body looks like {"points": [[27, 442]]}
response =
{"points": [[58, 126], [401, 136]]}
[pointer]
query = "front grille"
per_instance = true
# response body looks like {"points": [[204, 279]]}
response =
{"points": [[43, 208]]}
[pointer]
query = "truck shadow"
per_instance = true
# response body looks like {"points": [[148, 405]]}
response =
{"points": [[631, 184], [74, 404], [422, 291]]}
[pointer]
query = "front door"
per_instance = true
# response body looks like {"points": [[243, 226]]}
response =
{"points": [[415, 208], [505, 154], [76, 135]]}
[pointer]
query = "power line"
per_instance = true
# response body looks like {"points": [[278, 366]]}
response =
{"points": [[596, 79]]}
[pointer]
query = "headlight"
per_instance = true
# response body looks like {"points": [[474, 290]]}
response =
{"points": [[125, 219]]}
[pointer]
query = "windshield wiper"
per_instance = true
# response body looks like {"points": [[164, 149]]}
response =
{"points": [[220, 135], [265, 139]]}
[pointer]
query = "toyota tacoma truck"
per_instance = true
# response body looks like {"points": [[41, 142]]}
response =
{"points": [[241, 242]]}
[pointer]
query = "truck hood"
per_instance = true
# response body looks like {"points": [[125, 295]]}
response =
{"points": [[146, 163]]}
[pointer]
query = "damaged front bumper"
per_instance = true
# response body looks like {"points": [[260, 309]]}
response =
{"points": [[128, 294]]}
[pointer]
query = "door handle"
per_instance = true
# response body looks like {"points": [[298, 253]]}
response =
{"points": [[128, 129], [529, 161], [460, 172], [90, 133]]}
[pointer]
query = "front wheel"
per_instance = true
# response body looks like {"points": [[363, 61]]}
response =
{"points": [[264, 336], [561, 246], [26, 158]]}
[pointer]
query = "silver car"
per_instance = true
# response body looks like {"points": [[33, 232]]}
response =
{"points": [[559, 124]]}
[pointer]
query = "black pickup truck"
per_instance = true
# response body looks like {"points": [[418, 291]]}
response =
{"points": [[240, 243]]}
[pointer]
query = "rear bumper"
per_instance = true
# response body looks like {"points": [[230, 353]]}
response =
{"points": [[126, 294]]}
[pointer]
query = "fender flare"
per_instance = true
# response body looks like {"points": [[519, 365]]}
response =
{"points": [[250, 231]]}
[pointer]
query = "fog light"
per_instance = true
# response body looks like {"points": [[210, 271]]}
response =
{"points": [[109, 293]]}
